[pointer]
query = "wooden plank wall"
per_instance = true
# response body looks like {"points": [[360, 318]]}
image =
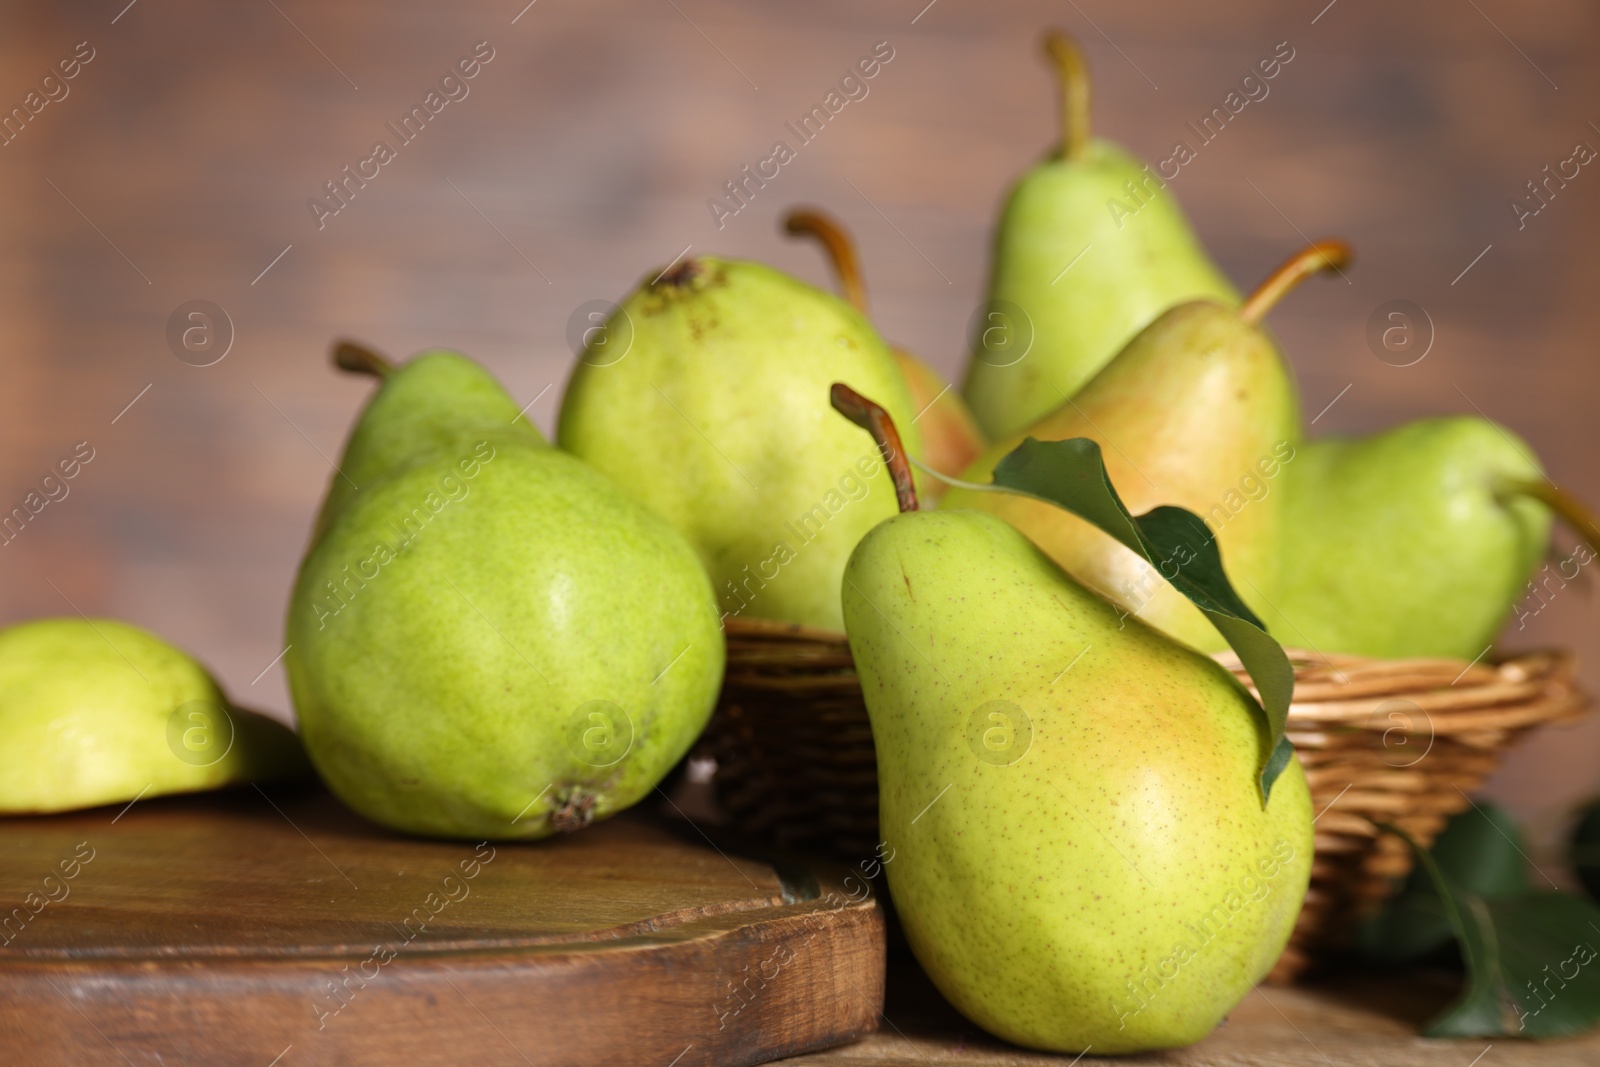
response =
{"points": [[179, 165]]}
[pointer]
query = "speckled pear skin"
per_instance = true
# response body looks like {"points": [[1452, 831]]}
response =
{"points": [[717, 418], [1064, 901], [1138, 264], [1396, 545], [85, 719], [436, 400], [1190, 413], [453, 626]]}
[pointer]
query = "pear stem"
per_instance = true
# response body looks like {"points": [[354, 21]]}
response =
{"points": [[1330, 253], [1072, 72], [872, 418], [359, 359], [841, 251], [1574, 512]]}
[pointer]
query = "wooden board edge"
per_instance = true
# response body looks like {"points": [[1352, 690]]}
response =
{"points": [[723, 991]]}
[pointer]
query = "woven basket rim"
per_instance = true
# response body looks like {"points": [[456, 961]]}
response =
{"points": [[739, 626], [1342, 688]]}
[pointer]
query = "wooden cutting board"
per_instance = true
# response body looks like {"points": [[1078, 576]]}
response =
{"points": [[252, 929]]}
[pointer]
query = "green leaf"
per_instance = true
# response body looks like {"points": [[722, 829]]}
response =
{"points": [[1480, 851], [1072, 474], [1412, 926], [1533, 969]]}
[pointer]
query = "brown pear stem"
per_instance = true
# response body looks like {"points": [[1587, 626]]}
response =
{"points": [[872, 418], [1330, 253], [359, 359], [841, 250], [1574, 512], [1072, 72]]}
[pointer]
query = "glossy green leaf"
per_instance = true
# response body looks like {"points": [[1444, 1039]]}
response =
{"points": [[1072, 474], [1533, 968], [1481, 851]]}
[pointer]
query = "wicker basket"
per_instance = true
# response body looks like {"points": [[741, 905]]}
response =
{"points": [[1401, 741]]}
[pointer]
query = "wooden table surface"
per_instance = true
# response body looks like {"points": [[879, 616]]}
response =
{"points": [[180, 163], [1353, 1020], [230, 928]]}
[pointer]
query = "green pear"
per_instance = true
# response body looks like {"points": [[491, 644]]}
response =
{"points": [[492, 640], [95, 711], [1198, 411], [716, 417], [951, 439], [1080, 858], [1413, 542], [438, 399], [1051, 321]]}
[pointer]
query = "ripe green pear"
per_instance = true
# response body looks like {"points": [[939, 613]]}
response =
{"points": [[1412, 542], [1090, 248], [1196, 404], [438, 399], [100, 712], [1081, 859], [716, 417], [492, 640], [1198, 411]]}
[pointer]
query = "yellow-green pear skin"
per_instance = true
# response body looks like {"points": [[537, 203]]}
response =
{"points": [[1404, 544], [1080, 856], [492, 640], [100, 712], [1198, 411], [437, 399], [717, 418], [1075, 275]]}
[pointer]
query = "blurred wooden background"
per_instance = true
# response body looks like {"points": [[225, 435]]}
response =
{"points": [[179, 165]]}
